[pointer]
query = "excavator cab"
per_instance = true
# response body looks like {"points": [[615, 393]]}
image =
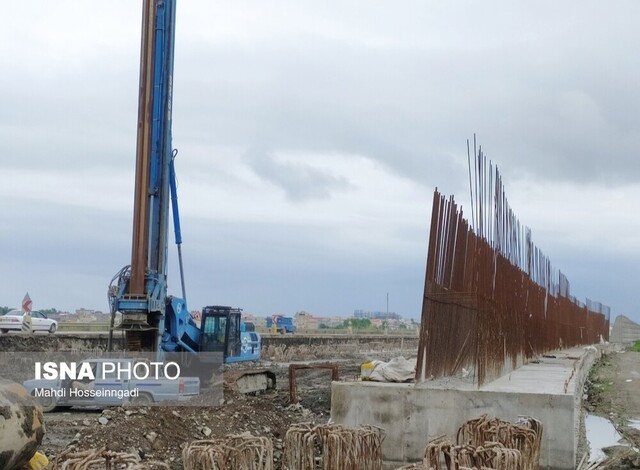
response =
{"points": [[222, 330]]}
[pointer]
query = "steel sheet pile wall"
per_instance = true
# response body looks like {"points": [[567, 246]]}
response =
{"points": [[492, 299]]}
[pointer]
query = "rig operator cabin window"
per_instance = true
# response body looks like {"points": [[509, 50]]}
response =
{"points": [[234, 336], [215, 333]]}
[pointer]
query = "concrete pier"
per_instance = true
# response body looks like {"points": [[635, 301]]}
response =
{"points": [[549, 390]]}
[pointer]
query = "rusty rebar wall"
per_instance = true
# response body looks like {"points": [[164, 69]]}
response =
{"points": [[492, 299]]}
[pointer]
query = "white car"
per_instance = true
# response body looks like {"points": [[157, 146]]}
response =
{"points": [[13, 321]]}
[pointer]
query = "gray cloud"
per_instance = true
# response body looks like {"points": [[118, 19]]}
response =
{"points": [[550, 88], [266, 268], [540, 103], [299, 181], [64, 256]]}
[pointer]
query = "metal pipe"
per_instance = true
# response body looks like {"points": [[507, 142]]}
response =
{"points": [[176, 218], [143, 149]]}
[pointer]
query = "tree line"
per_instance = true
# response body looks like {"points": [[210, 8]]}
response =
{"points": [[46, 311]]}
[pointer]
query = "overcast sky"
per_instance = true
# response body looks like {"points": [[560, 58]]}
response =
{"points": [[311, 136]]}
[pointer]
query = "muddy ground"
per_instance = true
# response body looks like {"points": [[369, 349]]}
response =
{"points": [[160, 433], [613, 392]]}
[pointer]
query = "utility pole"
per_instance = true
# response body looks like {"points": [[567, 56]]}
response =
{"points": [[386, 329]]}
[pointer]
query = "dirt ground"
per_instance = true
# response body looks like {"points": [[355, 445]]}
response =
{"points": [[613, 392], [160, 433]]}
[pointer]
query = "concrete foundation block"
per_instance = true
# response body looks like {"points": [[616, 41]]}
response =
{"points": [[413, 414]]}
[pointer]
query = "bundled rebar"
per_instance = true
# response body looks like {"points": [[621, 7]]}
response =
{"points": [[525, 436], [528, 440], [437, 452], [507, 459], [484, 456], [441, 454], [333, 447], [229, 453], [102, 459]]}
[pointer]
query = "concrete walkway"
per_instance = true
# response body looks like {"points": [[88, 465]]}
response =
{"points": [[555, 373]]}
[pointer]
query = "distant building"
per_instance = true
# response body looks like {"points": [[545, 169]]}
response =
{"points": [[84, 312], [306, 321], [376, 315], [251, 318], [196, 316]]}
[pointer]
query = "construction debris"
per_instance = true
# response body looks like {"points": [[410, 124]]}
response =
{"points": [[307, 447], [293, 389], [160, 433], [624, 458], [103, 459], [38, 462], [397, 369]]}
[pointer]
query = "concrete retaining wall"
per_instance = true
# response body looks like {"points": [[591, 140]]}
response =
{"points": [[412, 414], [91, 341], [391, 341], [59, 342]]}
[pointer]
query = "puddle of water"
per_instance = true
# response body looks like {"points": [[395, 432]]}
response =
{"points": [[600, 434], [634, 423]]}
